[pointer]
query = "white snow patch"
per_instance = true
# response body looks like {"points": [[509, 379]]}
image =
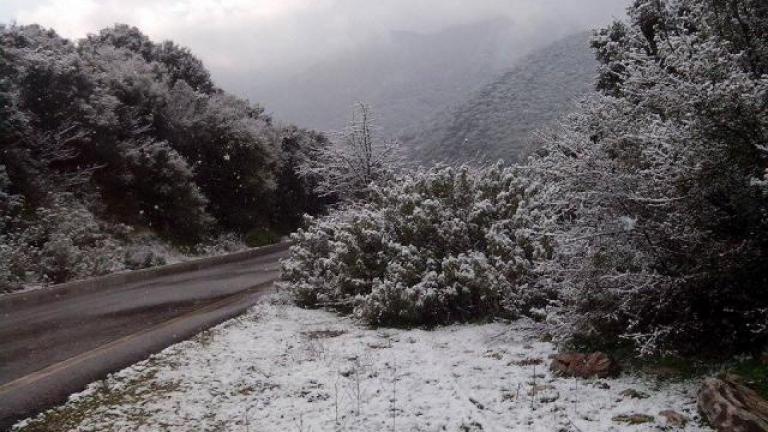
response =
{"points": [[282, 368]]}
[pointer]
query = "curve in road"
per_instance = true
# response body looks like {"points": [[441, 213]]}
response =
{"points": [[52, 348]]}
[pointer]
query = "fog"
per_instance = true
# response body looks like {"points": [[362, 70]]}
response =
{"points": [[246, 40]]}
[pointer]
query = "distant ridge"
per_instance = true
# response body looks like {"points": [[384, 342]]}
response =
{"points": [[497, 121], [405, 76]]}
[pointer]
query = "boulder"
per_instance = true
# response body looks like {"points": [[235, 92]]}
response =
{"points": [[597, 364], [730, 406]]}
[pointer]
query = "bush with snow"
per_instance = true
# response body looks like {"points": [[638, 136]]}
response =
{"points": [[431, 247], [58, 243]]}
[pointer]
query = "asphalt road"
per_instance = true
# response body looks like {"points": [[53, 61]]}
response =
{"points": [[56, 346]]}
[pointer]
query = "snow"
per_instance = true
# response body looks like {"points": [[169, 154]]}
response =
{"points": [[153, 246], [282, 368]]}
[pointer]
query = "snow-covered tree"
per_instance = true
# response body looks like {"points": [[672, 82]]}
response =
{"points": [[296, 195], [357, 157], [654, 188], [120, 130]]}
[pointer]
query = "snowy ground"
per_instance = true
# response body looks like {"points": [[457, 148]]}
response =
{"points": [[281, 368]]}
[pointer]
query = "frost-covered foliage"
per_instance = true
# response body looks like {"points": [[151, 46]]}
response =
{"points": [[657, 187], [431, 247], [296, 191], [356, 158], [57, 243], [127, 131]]}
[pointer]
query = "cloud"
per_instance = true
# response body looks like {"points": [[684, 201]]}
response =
{"points": [[268, 36]]}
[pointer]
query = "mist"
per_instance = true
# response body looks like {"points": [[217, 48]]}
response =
{"points": [[250, 41]]}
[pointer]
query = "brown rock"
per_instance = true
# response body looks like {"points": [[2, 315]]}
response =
{"points": [[584, 365], [634, 418], [674, 418], [730, 406]]}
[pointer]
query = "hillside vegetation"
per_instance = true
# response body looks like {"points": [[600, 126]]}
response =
{"points": [[116, 135], [498, 121]]}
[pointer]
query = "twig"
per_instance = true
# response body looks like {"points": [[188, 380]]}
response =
{"points": [[394, 396]]}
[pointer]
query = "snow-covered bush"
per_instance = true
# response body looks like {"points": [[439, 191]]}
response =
{"points": [[654, 188], [430, 247], [58, 243], [143, 256], [219, 245]]}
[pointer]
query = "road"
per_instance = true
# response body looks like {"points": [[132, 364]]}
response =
{"points": [[54, 347]]}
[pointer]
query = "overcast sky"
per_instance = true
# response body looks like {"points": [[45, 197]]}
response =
{"points": [[268, 35]]}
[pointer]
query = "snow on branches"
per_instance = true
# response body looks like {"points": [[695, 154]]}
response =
{"points": [[430, 247], [357, 157], [659, 228]]}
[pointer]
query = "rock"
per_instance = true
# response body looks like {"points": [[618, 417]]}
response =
{"points": [[634, 394], [584, 365], [634, 418], [730, 406], [674, 418]]}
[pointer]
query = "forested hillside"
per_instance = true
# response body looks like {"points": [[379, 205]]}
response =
{"points": [[498, 121], [116, 136]]}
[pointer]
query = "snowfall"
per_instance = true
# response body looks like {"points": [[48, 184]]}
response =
{"points": [[282, 368]]}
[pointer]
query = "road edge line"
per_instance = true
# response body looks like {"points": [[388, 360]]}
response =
{"points": [[22, 397]]}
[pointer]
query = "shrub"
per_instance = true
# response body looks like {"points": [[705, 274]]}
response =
{"points": [[141, 257], [219, 245], [60, 242], [431, 247]]}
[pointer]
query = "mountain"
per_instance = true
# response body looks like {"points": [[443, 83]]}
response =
{"points": [[405, 76], [496, 122]]}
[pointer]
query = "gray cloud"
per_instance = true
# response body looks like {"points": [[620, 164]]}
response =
{"points": [[270, 36]]}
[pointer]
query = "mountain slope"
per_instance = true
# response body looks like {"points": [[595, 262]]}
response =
{"points": [[405, 77], [498, 120]]}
